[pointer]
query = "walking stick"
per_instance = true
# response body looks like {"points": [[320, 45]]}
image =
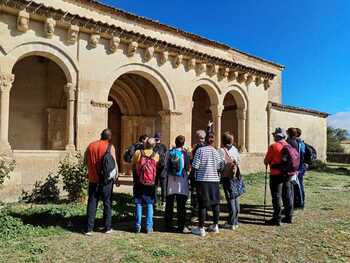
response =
{"points": [[265, 192]]}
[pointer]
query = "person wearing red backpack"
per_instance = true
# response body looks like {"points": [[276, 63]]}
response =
{"points": [[145, 171], [280, 181]]}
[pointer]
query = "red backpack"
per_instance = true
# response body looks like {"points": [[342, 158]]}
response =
{"points": [[290, 160], [147, 168]]}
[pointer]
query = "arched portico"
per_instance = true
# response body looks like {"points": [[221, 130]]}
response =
{"points": [[235, 107], [138, 108], [57, 59], [206, 106]]}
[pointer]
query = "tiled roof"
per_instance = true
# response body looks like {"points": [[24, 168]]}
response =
{"points": [[279, 106], [113, 10]]}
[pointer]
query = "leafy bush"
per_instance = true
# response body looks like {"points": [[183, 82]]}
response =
{"points": [[47, 192], [7, 165], [73, 172]]}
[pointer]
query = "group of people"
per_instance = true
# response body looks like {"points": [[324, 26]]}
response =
{"points": [[193, 174]]}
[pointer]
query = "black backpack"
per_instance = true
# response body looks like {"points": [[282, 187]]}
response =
{"points": [[109, 167], [310, 154]]}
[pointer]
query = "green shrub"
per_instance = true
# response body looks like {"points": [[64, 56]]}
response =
{"points": [[73, 172], [44, 192], [7, 165]]}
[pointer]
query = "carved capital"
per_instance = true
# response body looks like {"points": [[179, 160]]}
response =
{"points": [[94, 40], [106, 105], [266, 84], [6, 81], [73, 32], [149, 52], [169, 113], [216, 110], [113, 45], [70, 90], [178, 60], [163, 57], [50, 24], [23, 21], [132, 48]]}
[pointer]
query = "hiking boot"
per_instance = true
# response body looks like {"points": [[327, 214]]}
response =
{"points": [[213, 229], [287, 220], [199, 231], [273, 222], [229, 227]]}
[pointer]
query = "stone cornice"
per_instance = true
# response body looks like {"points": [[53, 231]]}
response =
{"points": [[281, 107], [110, 31]]}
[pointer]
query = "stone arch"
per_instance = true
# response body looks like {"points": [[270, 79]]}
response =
{"points": [[45, 49], [210, 87], [160, 83], [234, 115]]}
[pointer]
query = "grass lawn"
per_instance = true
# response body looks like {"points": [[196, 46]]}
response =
{"points": [[321, 233]]}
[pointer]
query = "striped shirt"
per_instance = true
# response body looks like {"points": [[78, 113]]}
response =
{"points": [[207, 162]]}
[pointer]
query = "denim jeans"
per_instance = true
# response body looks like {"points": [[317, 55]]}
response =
{"points": [[301, 184], [95, 192], [149, 216], [233, 208]]}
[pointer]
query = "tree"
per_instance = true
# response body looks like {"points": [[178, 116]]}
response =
{"points": [[334, 138]]}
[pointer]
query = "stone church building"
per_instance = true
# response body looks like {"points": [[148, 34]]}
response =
{"points": [[70, 68]]}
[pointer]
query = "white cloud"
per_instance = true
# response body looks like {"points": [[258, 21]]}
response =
{"points": [[340, 120]]}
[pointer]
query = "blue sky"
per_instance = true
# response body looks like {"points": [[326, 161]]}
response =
{"points": [[311, 38]]}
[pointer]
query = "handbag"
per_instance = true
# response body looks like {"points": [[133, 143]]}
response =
{"points": [[238, 187], [230, 168]]}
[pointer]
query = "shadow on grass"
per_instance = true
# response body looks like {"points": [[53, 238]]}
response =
{"points": [[72, 217], [333, 170]]}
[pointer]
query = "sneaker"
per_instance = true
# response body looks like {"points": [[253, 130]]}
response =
{"points": [[229, 227], [287, 220], [109, 232], [199, 231], [137, 229], [89, 233], [149, 231], [273, 222], [213, 229], [186, 230], [236, 226]]}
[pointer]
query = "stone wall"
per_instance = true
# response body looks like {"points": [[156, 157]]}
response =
{"points": [[314, 128]]}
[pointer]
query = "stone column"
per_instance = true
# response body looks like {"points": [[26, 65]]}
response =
{"points": [[216, 112], [241, 117], [70, 91], [6, 81]]}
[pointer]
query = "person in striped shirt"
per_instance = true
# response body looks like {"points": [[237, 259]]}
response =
{"points": [[207, 163]]}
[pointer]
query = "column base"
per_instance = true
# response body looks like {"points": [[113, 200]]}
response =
{"points": [[70, 147], [243, 150], [5, 148]]}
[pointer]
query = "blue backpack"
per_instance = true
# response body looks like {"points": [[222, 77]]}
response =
{"points": [[176, 162]]}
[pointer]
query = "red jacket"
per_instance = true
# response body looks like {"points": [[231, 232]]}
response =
{"points": [[95, 152], [274, 156]]}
